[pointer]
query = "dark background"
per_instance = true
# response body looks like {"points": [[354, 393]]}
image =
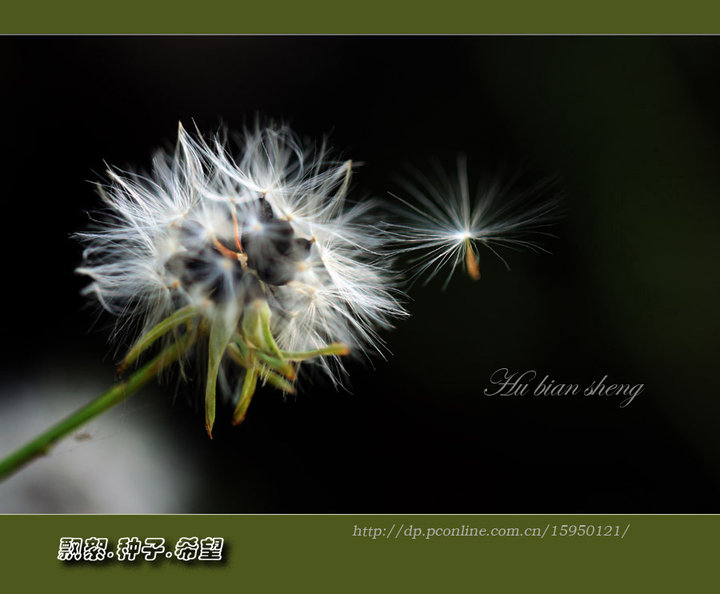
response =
{"points": [[629, 127]]}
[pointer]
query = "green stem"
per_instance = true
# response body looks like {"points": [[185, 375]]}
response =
{"points": [[42, 443]]}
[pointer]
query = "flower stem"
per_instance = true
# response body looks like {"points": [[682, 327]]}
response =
{"points": [[41, 444]]}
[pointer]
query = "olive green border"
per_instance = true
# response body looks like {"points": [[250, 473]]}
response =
{"points": [[320, 554], [367, 16]]}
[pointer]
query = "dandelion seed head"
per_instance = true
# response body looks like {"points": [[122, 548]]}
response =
{"points": [[219, 230]]}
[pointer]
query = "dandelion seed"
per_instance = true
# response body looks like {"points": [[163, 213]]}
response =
{"points": [[260, 258], [446, 229]]}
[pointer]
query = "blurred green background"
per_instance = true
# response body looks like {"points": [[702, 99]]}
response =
{"points": [[627, 126]]}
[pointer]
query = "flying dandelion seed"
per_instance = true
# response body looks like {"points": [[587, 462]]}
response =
{"points": [[446, 228], [260, 258]]}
